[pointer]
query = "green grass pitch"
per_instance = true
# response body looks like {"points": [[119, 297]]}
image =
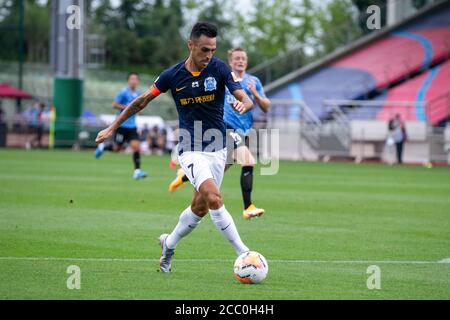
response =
{"points": [[325, 224]]}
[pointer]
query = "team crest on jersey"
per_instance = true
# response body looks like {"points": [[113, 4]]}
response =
{"points": [[210, 84]]}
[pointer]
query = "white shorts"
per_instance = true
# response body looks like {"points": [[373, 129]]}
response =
{"points": [[201, 166]]}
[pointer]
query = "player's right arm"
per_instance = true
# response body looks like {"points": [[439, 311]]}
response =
{"points": [[134, 107]]}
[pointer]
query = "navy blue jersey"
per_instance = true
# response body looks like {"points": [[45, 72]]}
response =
{"points": [[199, 99]]}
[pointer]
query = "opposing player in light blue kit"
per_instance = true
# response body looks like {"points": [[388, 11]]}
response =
{"points": [[127, 132]]}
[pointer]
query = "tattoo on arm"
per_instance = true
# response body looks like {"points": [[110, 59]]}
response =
{"points": [[118, 106]]}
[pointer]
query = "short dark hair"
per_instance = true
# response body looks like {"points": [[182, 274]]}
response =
{"points": [[132, 74], [203, 28]]}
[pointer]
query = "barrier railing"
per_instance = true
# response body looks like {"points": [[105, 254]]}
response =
{"points": [[359, 136], [20, 132]]}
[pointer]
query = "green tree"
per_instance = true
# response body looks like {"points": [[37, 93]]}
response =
{"points": [[141, 33], [265, 35], [275, 26], [337, 26], [214, 11], [159, 29], [9, 20], [128, 12], [102, 14], [122, 47], [6, 8], [36, 25]]}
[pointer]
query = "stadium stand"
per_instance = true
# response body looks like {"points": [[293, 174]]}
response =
{"points": [[431, 87]]}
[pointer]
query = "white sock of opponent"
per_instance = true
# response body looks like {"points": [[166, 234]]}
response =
{"points": [[187, 222], [225, 224]]}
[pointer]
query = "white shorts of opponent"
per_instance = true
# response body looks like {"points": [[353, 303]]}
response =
{"points": [[201, 166]]}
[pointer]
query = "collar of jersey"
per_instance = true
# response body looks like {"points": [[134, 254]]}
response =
{"points": [[131, 91], [196, 73]]}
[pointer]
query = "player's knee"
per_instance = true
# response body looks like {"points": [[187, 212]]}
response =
{"points": [[249, 163], [245, 158], [135, 146], [200, 209]]}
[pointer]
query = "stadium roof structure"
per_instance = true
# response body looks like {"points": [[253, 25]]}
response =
{"points": [[8, 91]]}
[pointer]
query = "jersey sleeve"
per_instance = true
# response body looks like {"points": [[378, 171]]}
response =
{"points": [[163, 82], [120, 97], [230, 82]]}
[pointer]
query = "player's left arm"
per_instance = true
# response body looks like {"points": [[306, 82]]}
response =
{"points": [[243, 102], [257, 90], [137, 105]]}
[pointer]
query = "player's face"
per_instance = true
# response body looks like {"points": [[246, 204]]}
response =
{"points": [[238, 61], [133, 81], [202, 50]]}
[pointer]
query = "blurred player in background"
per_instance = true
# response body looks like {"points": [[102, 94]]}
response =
{"points": [[398, 134], [39, 125], [239, 126], [127, 132], [198, 89]]}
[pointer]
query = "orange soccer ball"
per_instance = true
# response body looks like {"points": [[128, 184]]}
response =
{"points": [[251, 267]]}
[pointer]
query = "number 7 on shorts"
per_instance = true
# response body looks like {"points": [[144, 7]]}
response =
{"points": [[191, 166]]}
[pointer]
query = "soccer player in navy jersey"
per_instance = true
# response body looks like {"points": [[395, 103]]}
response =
{"points": [[127, 132], [239, 126], [198, 89]]}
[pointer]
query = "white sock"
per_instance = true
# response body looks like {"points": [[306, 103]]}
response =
{"points": [[225, 224], [187, 222]]}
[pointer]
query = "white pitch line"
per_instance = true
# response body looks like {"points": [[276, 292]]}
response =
{"points": [[78, 259], [225, 260]]}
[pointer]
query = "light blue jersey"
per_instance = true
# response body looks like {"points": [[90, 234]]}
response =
{"points": [[242, 122], [124, 97]]}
